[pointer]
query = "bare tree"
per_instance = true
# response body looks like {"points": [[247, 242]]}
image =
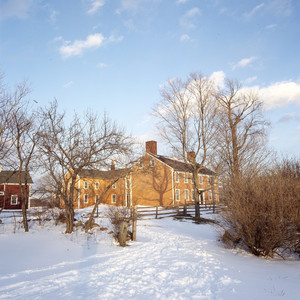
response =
{"points": [[84, 143], [243, 129], [188, 121], [10, 103], [24, 133]]}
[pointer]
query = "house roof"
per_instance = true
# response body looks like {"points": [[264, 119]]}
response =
{"points": [[12, 177], [181, 166], [108, 175]]}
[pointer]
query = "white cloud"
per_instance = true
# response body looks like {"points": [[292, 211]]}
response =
{"points": [[95, 5], [287, 117], [102, 65], [271, 26], [219, 78], [184, 38], [187, 20], [254, 10], [244, 62], [250, 79], [181, 1], [280, 94], [15, 8], [68, 84], [76, 48]]}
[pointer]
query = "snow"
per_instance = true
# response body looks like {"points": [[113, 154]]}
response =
{"points": [[170, 260]]}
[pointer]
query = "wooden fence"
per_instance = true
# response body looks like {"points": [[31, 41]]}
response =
{"points": [[158, 212]]}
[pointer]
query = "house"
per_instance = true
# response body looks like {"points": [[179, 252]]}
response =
{"points": [[155, 180], [10, 192]]}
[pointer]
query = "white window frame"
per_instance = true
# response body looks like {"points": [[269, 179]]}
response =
{"points": [[152, 162], [186, 195], [114, 186], [86, 198], [15, 197], [97, 185], [200, 179], [209, 195], [176, 177], [186, 178], [113, 198], [1, 193], [193, 194], [85, 185], [177, 194]]}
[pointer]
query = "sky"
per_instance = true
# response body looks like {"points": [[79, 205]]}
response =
{"points": [[116, 55]]}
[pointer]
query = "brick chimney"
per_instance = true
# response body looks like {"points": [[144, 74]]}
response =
{"points": [[191, 156], [151, 147], [112, 166]]}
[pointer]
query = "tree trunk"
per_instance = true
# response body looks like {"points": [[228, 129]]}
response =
{"points": [[25, 221], [69, 217]]}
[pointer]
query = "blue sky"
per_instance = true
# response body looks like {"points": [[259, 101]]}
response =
{"points": [[114, 56]]}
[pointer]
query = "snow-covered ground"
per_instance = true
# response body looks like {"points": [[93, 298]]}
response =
{"points": [[170, 260]]}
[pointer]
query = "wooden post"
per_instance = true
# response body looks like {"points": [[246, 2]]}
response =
{"points": [[123, 234], [134, 221], [184, 210], [156, 213]]}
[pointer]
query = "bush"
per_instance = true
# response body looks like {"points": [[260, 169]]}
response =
{"points": [[263, 212], [117, 215]]}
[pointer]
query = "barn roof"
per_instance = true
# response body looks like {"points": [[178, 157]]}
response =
{"points": [[12, 177]]}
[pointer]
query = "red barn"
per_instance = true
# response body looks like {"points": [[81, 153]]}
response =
{"points": [[10, 192]]}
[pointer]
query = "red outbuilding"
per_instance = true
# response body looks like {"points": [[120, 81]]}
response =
{"points": [[11, 196]]}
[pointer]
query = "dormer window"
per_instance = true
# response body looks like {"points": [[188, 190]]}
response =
{"points": [[141, 165], [152, 162]]}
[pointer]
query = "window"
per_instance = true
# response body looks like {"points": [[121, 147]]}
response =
{"points": [[209, 195], [185, 178], [201, 179], [186, 194], [113, 198], [141, 165], [97, 185], [1, 193], [193, 194], [86, 185], [114, 186], [96, 198], [177, 195], [14, 200], [86, 198], [176, 177], [215, 195], [152, 162]]}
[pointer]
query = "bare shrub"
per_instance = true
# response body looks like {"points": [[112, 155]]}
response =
{"points": [[118, 215], [61, 218], [263, 212]]}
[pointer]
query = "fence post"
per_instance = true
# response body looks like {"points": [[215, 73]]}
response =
{"points": [[184, 210], [134, 221]]}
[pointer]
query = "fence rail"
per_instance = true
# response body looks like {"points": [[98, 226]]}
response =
{"points": [[159, 212]]}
